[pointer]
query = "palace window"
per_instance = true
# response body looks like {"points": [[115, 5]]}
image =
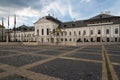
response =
{"points": [[70, 33], [75, 33], [38, 32], [84, 32], [65, 25], [42, 31], [47, 31], [107, 31], [65, 39], [116, 30], [91, 32], [61, 39], [99, 31], [57, 34], [65, 33], [61, 34], [79, 33]]}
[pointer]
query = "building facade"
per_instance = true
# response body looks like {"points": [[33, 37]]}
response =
{"points": [[101, 28], [48, 30], [23, 34], [2, 34]]}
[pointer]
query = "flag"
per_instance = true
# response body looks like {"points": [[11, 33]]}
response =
{"points": [[14, 19], [8, 20], [57, 29], [2, 22]]}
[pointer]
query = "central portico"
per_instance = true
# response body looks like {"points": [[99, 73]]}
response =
{"points": [[44, 28]]}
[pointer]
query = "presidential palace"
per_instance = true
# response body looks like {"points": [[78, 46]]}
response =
{"points": [[102, 28]]}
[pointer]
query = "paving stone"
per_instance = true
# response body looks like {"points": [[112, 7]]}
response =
{"points": [[113, 48], [4, 53], [74, 47], [70, 69], [28, 50], [69, 48], [21, 59], [14, 77], [87, 50], [93, 47], [117, 70], [115, 58], [1, 70], [85, 56], [90, 51], [50, 52], [114, 52], [65, 49]]}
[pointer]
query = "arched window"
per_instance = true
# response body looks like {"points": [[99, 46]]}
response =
{"points": [[38, 32], [47, 31], [42, 31], [79, 33]]}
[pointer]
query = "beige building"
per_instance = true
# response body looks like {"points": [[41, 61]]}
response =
{"points": [[100, 28], [103, 28], [23, 33]]}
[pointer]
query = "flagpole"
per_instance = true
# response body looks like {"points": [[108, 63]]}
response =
{"points": [[8, 30], [2, 28], [14, 27]]}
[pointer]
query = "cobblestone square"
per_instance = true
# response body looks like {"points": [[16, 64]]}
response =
{"points": [[21, 59], [70, 69], [14, 77], [55, 62]]}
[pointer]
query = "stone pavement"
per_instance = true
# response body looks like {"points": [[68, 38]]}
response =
{"points": [[54, 63]]}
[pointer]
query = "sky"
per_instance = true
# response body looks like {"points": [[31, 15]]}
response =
{"points": [[29, 11]]}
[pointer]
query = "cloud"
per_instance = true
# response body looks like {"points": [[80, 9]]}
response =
{"points": [[86, 0], [28, 11]]}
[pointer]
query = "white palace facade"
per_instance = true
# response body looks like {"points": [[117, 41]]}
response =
{"points": [[103, 28]]}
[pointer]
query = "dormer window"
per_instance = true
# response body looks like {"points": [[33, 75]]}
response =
{"points": [[100, 16], [65, 25]]}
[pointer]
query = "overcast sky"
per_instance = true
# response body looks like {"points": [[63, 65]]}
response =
{"points": [[29, 11]]}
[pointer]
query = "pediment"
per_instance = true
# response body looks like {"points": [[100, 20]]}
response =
{"points": [[42, 21]]}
